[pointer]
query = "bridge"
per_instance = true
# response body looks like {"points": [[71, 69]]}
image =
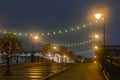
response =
{"points": [[43, 71], [58, 63], [107, 67], [110, 61]]}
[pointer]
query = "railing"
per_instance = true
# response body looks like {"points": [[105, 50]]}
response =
{"points": [[19, 60], [111, 66]]}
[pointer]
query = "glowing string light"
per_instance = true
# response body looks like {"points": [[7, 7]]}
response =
{"points": [[85, 52], [70, 44], [51, 33]]}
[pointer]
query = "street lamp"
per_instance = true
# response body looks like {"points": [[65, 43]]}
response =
{"points": [[35, 37], [64, 58], [100, 15], [96, 36], [96, 47], [95, 56], [54, 47], [32, 53]]}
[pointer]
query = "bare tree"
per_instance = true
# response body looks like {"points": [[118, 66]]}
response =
{"points": [[10, 45]]}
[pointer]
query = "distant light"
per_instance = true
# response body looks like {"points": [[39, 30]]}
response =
{"points": [[89, 41], [83, 42], [80, 43], [54, 47], [72, 29], [9, 32], [78, 27], [42, 34], [60, 31], [26, 34], [86, 41], [54, 33], [84, 25], [31, 34], [96, 47], [96, 36], [64, 56], [20, 34], [95, 61], [95, 56], [4, 32], [15, 33], [48, 33], [36, 37], [90, 23], [66, 30]]}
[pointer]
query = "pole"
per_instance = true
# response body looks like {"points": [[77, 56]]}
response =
{"points": [[32, 53], [8, 72], [104, 43]]}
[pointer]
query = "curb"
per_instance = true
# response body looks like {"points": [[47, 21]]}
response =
{"points": [[56, 73]]}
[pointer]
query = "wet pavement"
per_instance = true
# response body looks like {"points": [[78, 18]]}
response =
{"points": [[80, 71], [34, 71], [41, 70]]}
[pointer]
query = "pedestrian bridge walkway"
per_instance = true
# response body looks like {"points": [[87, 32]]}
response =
{"points": [[41, 71], [80, 71], [31, 71]]}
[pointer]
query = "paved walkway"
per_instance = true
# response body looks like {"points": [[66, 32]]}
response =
{"points": [[81, 71], [31, 71]]}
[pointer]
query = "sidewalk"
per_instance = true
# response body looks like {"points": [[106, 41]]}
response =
{"points": [[81, 71], [32, 71]]}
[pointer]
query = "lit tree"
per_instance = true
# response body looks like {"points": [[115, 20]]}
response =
{"points": [[10, 45], [62, 51], [47, 48], [72, 56]]}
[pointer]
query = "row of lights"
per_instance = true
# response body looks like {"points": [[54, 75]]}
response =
{"points": [[100, 15], [50, 33]]}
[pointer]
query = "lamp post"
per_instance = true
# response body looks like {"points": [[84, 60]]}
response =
{"points": [[100, 15], [96, 47], [96, 36], [64, 56], [54, 47], [32, 53]]}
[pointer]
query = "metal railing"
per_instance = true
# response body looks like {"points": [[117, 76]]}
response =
{"points": [[111, 66], [18, 60]]}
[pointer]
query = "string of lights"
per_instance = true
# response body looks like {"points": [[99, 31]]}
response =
{"points": [[85, 52], [70, 44], [70, 29], [55, 33]]}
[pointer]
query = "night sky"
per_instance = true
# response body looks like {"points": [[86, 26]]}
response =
{"points": [[28, 16]]}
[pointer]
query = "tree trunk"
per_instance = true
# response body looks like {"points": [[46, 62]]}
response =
{"points": [[7, 72], [17, 59]]}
